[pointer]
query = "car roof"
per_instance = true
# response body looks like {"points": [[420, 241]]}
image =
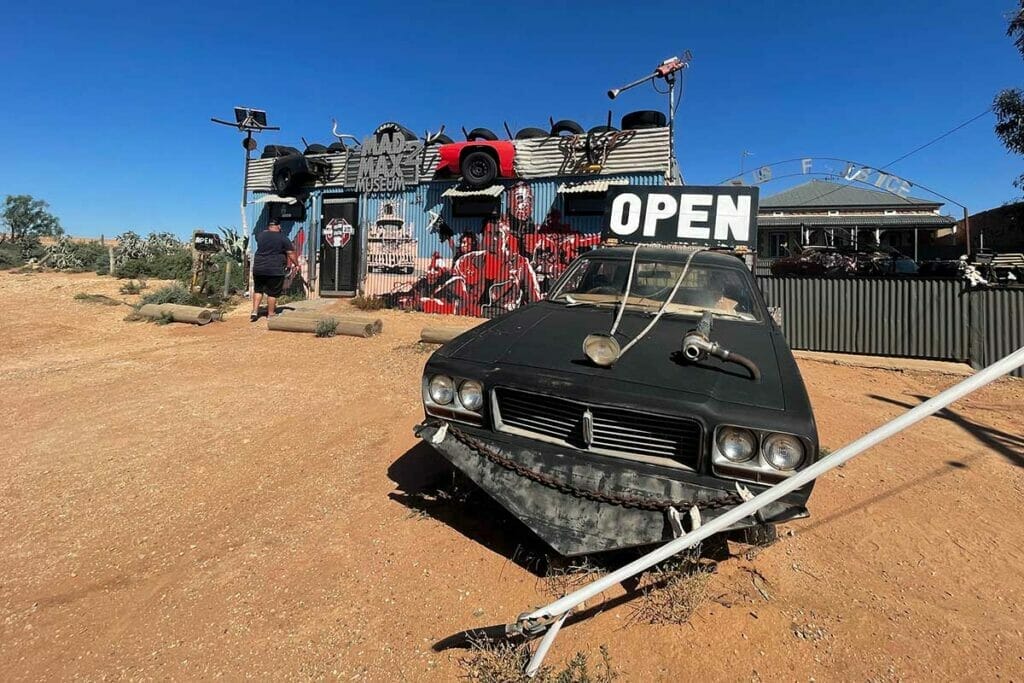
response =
{"points": [[670, 254]]}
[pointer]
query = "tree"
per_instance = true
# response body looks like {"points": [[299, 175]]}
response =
{"points": [[28, 217], [1009, 104]]}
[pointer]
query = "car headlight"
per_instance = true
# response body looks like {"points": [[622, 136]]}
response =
{"points": [[471, 394], [602, 349], [441, 389], [783, 451], [737, 445]]}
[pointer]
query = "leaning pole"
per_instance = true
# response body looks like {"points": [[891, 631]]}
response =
{"points": [[551, 617]]}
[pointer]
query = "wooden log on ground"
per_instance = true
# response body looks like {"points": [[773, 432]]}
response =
{"points": [[439, 335], [180, 314], [287, 323], [378, 324]]}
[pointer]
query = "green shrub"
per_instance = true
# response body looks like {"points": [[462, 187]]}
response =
{"points": [[174, 265], [97, 299], [171, 294], [93, 255], [166, 318], [326, 327], [10, 256]]}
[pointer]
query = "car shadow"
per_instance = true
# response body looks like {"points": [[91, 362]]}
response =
{"points": [[1010, 446], [431, 487]]}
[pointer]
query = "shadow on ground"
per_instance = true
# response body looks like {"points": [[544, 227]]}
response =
{"points": [[1010, 446], [431, 487]]}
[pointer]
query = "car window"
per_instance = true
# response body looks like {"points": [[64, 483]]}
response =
{"points": [[723, 291]]}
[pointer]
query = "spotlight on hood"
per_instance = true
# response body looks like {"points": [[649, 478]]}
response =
{"points": [[602, 349]]}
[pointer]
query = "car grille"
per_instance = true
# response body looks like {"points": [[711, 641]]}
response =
{"points": [[615, 431]]}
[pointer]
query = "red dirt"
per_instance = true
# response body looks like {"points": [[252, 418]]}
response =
{"points": [[181, 502]]}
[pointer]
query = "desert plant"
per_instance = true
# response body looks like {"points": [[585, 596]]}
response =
{"points": [[505, 662], [672, 592], [163, 243], [132, 287], [368, 303], [130, 246], [171, 294], [236, 244], [165, 318], [63, 256], [326, 327]]}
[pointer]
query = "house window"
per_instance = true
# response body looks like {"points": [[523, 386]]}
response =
{"points": [[474, 207], [585, 204]]}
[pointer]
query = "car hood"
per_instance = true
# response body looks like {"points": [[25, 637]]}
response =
{"points": [[549, 337]]}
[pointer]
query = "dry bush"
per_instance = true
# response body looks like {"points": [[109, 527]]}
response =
{"points": [[672, 592], [562, 579], [97, 299], [368, 303], [505, 662], [133, 287]]}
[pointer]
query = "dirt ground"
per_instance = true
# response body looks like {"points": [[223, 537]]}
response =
{"points": [[185, 502]]}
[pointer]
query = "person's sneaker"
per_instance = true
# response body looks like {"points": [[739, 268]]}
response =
{"points": [[253, 317]]}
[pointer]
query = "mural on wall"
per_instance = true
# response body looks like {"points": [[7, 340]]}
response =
{"points": [[484, 266]]}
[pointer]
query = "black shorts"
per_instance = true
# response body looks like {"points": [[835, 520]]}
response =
{"points": [[271, 285]]}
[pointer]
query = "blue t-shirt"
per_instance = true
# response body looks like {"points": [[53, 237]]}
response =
{"points": [[271, 253]]}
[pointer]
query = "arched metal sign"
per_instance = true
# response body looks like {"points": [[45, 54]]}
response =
{"points": [[833, 167]]}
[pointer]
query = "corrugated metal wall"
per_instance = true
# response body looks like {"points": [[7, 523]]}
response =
{"points": [[418, 262], [996, 325], [915, 318], [908, 317]]}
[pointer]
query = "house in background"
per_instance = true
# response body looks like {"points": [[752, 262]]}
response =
{"points": [[820, 212]]}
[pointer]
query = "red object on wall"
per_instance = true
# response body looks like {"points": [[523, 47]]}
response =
{"points": [[451, 155]]}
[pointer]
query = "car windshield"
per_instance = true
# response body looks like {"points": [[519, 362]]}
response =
{"points": [[725, 292]]}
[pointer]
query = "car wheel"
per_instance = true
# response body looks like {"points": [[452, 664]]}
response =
{"points": [[282, 179], [566, 126], [479, 169], [762, 535], [315, 149], [639, 120]]}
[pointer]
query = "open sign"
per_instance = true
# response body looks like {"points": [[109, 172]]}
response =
{"points": [[206, 241], [718, 216]]}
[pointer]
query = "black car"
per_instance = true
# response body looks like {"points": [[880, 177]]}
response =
{"points": [[600, 441]]}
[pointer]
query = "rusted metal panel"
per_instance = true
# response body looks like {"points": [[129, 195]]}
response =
{"points": [[639, 151]]}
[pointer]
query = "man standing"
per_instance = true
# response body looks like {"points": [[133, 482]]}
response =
{"points": [[274, 254]]}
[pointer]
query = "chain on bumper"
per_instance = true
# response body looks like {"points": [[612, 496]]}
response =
{"points": [[726, 499]]}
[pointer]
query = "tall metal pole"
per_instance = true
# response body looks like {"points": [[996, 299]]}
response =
{"points": [[967, 231], [246, 270], [672, 163]]}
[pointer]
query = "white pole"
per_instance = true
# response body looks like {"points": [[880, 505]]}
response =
{"points": [[721, 523]]}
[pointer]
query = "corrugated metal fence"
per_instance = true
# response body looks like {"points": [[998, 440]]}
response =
{"points": [[913, 318]]}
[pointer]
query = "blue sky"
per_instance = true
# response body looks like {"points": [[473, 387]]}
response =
{"points": [[106, 107]]}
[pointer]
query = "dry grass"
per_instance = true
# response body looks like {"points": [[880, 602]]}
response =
{"points": [[672, 592], [366, 303], [504, 663], [561, 580], [97, 299]]}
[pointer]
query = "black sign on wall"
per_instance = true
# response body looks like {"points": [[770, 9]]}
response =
{"points": [[719, 216]]}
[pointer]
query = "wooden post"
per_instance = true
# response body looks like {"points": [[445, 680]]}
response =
{"points": [[227, 277], [439, 335], [111, 254]]}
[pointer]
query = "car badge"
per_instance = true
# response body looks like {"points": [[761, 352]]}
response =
{"points": [[588, 427]]}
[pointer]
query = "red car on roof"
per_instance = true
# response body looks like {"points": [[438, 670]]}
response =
{"points": [[480, 160]]}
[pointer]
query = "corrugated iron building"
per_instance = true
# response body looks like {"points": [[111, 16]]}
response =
{"points": [[439, 245]]}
